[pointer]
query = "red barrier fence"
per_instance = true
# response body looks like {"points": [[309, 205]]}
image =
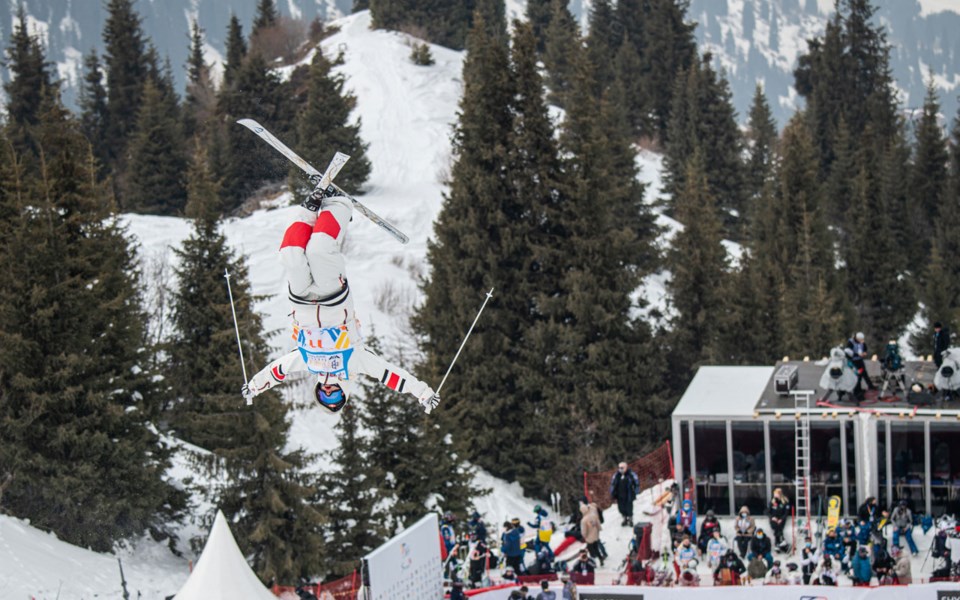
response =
{"points": [[340, 589], [650, 469]]}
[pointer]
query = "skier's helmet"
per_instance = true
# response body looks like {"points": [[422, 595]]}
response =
{"points": [[331, 396]]}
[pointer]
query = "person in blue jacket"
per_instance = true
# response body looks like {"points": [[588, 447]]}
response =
{"points": [[687, 519], [862, 572], [447, 532], [477, 526], [511, 547], [863, 532], [833, 547]]}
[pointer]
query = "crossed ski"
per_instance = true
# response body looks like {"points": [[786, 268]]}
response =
{"points": [[322, 181]]}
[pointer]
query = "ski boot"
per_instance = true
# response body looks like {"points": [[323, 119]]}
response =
{"points": [[314, 201]]}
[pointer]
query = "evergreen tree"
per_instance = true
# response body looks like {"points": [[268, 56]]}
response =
{"points": [[607, 252], [29, 82], [928, 177], [812, 313], [879, 288], [539, 13], [236, 51], [127, 67], [845, 76], [350, 494], [703, 119], [443, 22], [93, 107], [602, 44], [158, 159], [410, 458], [839, 184], [762, 145], [267, 16], [359, 5], [470, 253], [665, 43], [635, 97], [561, 47], [264, 495], [248, 163], [697, 262], [324, 127], [200, 102], [77, 399], [941, 293], [539, 195]]}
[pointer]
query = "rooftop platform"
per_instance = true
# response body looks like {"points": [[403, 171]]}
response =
{"points": [[810, 372]]}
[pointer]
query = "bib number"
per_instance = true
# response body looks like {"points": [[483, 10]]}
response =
{"points": [[326, 351]]}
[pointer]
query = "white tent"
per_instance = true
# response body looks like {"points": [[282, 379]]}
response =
{"points": [[221, 572]]}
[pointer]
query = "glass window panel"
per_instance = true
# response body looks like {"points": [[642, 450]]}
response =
{"points": [[850, 505], [749, 466], [882, 463], [907, 452], [782, 457], [713, 492], [944, 469], [825, 475]]}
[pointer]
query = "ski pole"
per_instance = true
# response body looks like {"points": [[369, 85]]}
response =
{"points": [[464, 342], [236, 327]]}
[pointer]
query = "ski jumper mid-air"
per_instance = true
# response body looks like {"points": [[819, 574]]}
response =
{"points": [[325, 327]]}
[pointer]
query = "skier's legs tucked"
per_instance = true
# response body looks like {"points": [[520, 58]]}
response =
{"points": [[327, 266], [310, 250], [293, 252]]}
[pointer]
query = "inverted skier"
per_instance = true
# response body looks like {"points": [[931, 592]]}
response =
{"points": [[325, 327]]}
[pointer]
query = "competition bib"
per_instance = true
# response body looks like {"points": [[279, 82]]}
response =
{"points": [[325, 350]]}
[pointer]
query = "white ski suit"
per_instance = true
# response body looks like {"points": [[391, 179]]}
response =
{"points": [[325, 327]]}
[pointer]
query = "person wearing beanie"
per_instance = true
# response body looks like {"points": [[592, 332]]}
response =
{"points": [[707, 527], [901, 565], [760, 546], [861, 571]]}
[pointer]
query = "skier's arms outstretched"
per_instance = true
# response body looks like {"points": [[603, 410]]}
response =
{"points": [[394, 377], [363, 362], [274, 374]]}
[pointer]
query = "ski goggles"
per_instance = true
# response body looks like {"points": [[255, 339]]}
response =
{"points": [[334, 397]]}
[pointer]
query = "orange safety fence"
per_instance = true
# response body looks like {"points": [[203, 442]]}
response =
{"points": [[651, 469], [340, 589]]}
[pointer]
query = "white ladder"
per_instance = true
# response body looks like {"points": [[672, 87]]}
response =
{"points": [[802, 441]]}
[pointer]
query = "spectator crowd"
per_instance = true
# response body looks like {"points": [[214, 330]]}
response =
{"points": [[874, 548]]}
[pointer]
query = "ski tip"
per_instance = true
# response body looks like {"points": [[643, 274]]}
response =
{"points": [[250, 124]]}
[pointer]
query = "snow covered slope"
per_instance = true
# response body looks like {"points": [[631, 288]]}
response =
{"points": [[34, 564]]}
